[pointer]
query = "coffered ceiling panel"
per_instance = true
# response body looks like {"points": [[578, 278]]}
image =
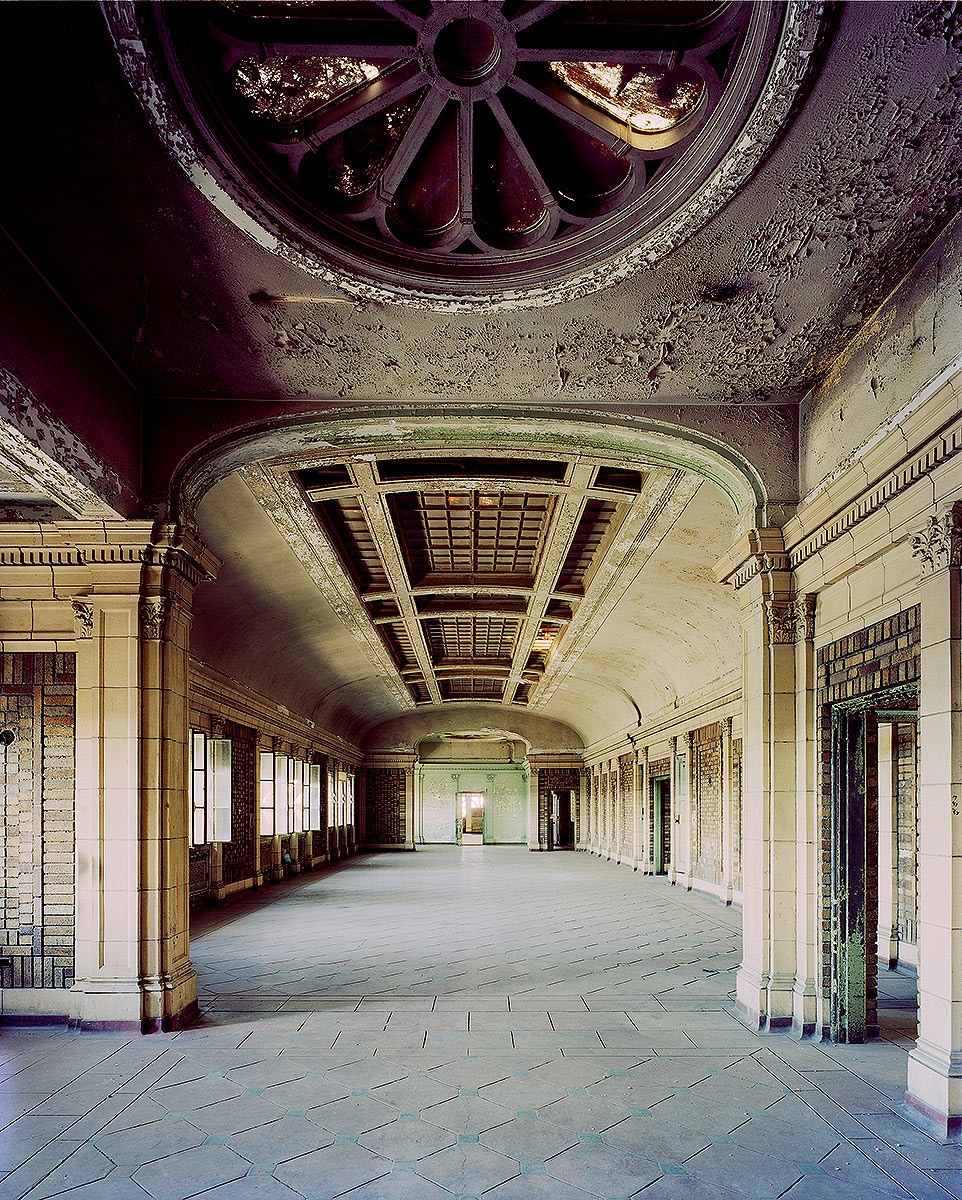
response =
{"points": [[461, 579]]}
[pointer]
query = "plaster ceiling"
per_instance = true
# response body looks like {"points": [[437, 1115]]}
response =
{"points": [[751, 309]]}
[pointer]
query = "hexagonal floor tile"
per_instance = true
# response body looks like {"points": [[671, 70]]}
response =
{"points": [[700, 1115], [751, 1174], [528, 1139], [334, 1169], [308, 1092], [467, 1114], [145, 1143], [524, 1092], [785, 1140], [280, 1140], [234, 1116], [265, 1073], [414, 1093], [407, 1140], [468, 1168], [473, 1072], [182, 1097], [583, 1114], [367, 1073], [603, 1171], [400, 1185], [191, 1171], [535, 1187], [353, 1114], [655, 1139]]}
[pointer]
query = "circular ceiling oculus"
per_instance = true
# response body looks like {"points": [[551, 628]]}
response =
{"points": [[465, 154]]}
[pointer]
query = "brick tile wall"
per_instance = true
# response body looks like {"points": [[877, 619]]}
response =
{"points": [[238, 861], [707, 801], [37, 704], [626, 766], [907, 829], [385, 806], [737, 813]]}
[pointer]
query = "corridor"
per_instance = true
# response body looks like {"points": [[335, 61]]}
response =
{"points": [[458, 1023]]}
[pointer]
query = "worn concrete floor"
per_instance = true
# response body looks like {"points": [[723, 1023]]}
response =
{"points": [[459, 1023]]}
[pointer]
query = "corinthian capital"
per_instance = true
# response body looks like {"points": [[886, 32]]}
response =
{"points": [[939, 542]]}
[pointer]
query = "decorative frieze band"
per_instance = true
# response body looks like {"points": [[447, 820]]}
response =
{"points": [[939, 543]]}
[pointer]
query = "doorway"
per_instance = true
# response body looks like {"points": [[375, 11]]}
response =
{"points": [[471, 817], [874, 835], [659, 830], [562, 823]]}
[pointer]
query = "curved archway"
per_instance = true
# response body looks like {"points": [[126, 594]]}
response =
{"points": [[369, 428]]}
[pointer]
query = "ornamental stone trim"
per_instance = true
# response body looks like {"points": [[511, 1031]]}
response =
{"points": [[939, 543], [152, 612], [84, 618]]}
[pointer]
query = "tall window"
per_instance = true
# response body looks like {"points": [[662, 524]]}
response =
{"points": [[210, 789], [267, 793], [331, 799], [295, 795], [314, 798], [282, 790]]}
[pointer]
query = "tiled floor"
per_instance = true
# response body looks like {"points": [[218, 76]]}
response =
{"points": [[465, 1023]]}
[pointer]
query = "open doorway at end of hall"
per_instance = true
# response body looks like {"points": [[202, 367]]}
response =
{"points": [[659, 825], [470, 808], [874, 866]]}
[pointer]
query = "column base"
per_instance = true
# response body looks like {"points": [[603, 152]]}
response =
{"points": [[934, 1096], [762, 1003], [154, 1003]]}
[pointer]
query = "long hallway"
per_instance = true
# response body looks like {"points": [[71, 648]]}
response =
{"points": [[465, 1023]]}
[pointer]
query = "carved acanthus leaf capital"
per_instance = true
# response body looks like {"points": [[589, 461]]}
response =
{"points": [[84, 618], [780, 618], [152, 612], [939, 543], [803, 611]]}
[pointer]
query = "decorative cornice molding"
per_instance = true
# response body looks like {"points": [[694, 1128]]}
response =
{"points": [[758, 552], [939, 542], [932, 456]]}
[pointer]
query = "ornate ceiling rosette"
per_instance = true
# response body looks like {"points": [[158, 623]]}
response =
{"points": [[457, 154]]}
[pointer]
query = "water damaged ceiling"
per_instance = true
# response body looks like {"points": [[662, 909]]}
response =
{"points": [[231, 226]]}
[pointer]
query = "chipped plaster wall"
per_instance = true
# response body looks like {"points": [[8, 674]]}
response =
{"points": [[914, 336]]}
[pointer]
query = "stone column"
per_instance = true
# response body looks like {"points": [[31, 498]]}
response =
{"points": [[534, 836], [644, 785], [674, 820], [690, 818], [133, 968], [806, 996], [726, 805], [758, 568], [409, 814], [935, 1065]]}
